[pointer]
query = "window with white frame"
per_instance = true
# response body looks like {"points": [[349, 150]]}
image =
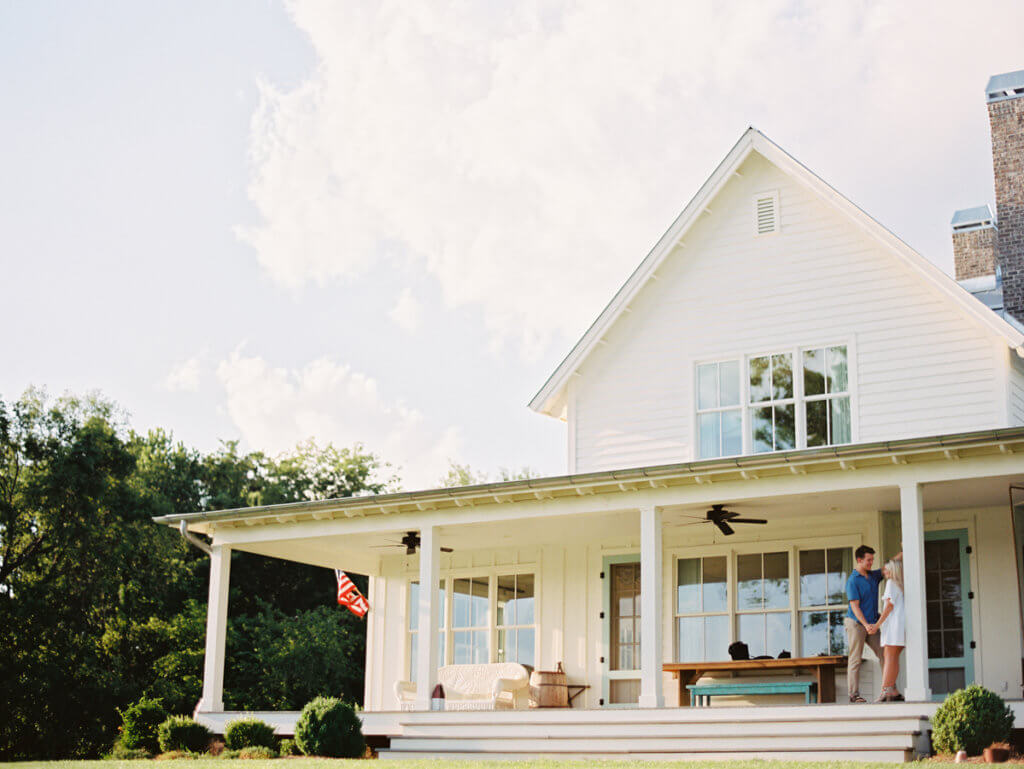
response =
{"points": [[413, 615], [826, 396], [790, 399], [483, 613], [763, 619], [702, 609], [719, 413], [517, 631], [772, 403], [823, 575], [756, 598]]}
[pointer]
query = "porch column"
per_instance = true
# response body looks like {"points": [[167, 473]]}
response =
{"points": [[650, 608], [212, 700], [426, 649], [916, 659]]}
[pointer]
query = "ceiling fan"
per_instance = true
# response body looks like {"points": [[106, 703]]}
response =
{"points": [[411, 543], [721, 518]]}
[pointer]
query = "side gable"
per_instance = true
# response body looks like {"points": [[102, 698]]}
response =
{"points": [[552, 397]]}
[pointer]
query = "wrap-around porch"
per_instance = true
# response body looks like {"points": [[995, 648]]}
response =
{"points": [[559, 545]]}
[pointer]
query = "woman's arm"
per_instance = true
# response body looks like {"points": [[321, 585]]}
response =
{"points": [[886, 611]]}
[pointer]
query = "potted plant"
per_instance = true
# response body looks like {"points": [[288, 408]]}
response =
{"points": [[997, 753]]}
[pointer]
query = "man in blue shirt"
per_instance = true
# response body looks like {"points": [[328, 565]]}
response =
{"points": [[862, 617]]}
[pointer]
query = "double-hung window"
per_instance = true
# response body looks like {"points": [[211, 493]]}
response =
{"points": [[719, 414], [470, 629], [413, 614], [702, 608], [517, 632], [772, 403], [762, 602], [823, 575], [826, 396]]}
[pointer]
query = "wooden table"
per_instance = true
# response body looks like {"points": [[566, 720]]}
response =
{"points": [[823, 667]]}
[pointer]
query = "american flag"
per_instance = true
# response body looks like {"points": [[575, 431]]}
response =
{"points": [[349, 595]]}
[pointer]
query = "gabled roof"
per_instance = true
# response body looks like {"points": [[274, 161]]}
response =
{"points": [[551, 399]]}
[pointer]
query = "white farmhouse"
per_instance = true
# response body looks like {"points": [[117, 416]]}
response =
{"points": [[778, 356]]}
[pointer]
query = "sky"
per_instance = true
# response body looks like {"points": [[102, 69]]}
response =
{"points": [[388, 222]]}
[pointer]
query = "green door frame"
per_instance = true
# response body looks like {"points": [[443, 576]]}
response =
{"points": [[607, 674], [967, 661]]}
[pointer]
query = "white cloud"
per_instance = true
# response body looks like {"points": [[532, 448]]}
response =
{"points": [[529, 153], [184, 377], [406, 312], [274, 408]]}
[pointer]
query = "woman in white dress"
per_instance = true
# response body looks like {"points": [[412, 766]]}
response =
{"points": [[893, 626]]}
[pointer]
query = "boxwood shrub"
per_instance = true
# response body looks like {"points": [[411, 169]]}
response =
{"points": [[182, 733], [257, 751], [287, 747], [971, 719], [330, 727], [139, 725], [249, 733]]}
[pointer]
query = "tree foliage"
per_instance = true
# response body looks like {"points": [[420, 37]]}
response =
{"points": [[99, 606]]}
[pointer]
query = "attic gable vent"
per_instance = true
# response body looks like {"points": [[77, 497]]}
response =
{"points": [[766, 212]]}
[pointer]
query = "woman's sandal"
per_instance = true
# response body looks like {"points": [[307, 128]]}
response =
{"points": [[889, 694]]}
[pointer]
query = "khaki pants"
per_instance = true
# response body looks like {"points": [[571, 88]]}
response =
{"points": [[856, 637]]}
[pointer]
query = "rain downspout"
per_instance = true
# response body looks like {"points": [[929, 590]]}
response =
{"points": [[192, 538]]}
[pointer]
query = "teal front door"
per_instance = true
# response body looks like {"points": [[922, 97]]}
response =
{"points": [[947, 579]]}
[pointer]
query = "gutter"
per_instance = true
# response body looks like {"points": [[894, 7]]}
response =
{"points": [[192, 539], [648, 474]]}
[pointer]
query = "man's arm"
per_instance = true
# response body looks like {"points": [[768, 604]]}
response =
{"points": [[855, 608]]}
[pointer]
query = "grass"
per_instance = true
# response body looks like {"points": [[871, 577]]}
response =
{"points": [[338, 763]]}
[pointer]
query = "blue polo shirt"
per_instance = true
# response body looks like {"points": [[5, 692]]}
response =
{"points": [[865, 590]]}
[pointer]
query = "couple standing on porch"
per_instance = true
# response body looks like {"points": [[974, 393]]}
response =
{"points": [[885, 631]]}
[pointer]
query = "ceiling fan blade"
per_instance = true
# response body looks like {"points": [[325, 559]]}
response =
{"points": [[724, 527], [747, 520], [447, 550]]}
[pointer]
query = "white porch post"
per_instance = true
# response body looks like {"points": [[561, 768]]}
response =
{"points": [[650, 609], [216, 629], [916, 660], [426, 650]]}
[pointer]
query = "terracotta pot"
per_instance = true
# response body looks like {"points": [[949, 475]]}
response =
{"points": [[996, 755]]}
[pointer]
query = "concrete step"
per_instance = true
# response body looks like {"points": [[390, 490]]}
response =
{"points": [[662, 744], [893, 756], [651, 730]]}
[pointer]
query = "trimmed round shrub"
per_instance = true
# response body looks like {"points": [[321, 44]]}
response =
{"points": [[330, 727], [182, 733], [287, 747], [121, 753], [249, 733], [257, 751], [971, 719], [139, 725]]}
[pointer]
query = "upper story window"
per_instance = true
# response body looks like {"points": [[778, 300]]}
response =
{"points": [[783, 400], [719, 414]]}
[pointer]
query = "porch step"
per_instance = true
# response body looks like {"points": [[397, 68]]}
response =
{"points": [[887, 756], [881, 733]]}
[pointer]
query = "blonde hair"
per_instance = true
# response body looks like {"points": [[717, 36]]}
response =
{"points": [[895, 572]]}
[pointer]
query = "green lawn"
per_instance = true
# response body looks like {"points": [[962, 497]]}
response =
{"points": [[324, 763]]}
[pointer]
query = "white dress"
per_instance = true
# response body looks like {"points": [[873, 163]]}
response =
{"points": [[894, 629]]}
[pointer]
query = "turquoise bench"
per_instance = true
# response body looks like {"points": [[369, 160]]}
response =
{"points": [[701, 694]]}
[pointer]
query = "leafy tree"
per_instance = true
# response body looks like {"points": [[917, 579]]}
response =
{"points": [[99, 606], [464, 475]]}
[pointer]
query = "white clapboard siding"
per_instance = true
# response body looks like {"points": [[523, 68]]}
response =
{"points": [[1016, 391], [921, 366]]}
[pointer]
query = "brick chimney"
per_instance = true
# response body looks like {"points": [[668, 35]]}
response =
{"points": [[1005, 96], [975, 252]]}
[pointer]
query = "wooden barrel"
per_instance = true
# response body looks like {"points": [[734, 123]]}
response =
{"points": [[549, 689]]}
